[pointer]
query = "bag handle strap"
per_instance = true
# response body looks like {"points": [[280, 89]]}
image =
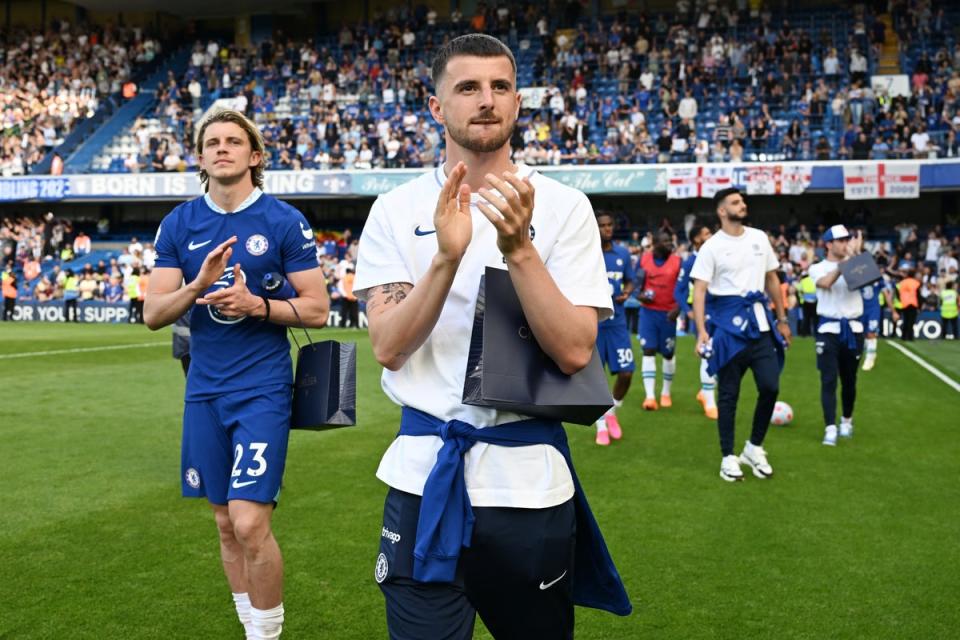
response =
{"points": [[304, 328]]}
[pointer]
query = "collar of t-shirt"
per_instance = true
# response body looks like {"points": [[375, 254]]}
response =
{"points": [[253, 197], [523, 170]]}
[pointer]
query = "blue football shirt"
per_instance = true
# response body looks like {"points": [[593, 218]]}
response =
{"points": [[232, 354], [619, 270]]}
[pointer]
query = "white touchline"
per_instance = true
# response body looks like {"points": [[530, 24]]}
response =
{"points": [[55, 352], [926, 365]]}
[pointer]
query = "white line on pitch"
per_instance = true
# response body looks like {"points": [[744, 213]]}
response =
{"points": [[926, 365], [55, 352]]}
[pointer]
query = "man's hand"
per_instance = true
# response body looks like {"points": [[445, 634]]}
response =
{"points": [[702, 338], [235, 301], [214, 265], [673, 314], [510, 214], [452, 218], [784, 329], [620, 299]]}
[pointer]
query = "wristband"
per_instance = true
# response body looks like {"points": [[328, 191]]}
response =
{"points": [[266, 303], [783, 320]]}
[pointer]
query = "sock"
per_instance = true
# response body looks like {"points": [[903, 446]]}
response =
{"points": [[669, 368], [871, 345], [601, 425], [267, 623], [616, 405], [707, 384], [648, 369], [846, 420], [242, 603]]}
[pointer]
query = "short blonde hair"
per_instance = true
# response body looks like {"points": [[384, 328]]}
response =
{"points": [[253, 134]]}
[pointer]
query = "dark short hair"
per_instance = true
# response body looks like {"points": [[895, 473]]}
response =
{"points": [[601, 213], [721, 195], [471, 44]]}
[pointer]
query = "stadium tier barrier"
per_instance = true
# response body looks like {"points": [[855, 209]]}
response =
{"points": [[97, 311], [864, 179]]}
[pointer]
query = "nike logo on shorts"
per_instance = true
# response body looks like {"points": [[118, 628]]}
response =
{"points": [[193, 245], [545, 586], [239, 485], [418, 232]]}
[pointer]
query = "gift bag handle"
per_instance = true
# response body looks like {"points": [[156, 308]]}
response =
{"points": [[290, 329]]}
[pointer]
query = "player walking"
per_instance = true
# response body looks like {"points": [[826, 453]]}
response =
{"points": [[873, 316], [683, 294], [613, 339], [658, 318], [236, 417], [839, 332], [732, 270], [473, 489]]}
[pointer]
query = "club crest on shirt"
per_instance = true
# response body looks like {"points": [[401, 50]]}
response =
{"points": [[257, 245], [380, 573], [192, 476], [737, 321]]}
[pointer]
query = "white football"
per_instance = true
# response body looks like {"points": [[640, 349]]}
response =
{"points": [[782, 414]]}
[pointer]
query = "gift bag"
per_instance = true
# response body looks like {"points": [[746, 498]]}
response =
{"points": [[507, 370], [324, 385]]}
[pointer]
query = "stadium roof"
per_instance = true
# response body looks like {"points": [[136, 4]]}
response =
{"points": [[194, 9]]}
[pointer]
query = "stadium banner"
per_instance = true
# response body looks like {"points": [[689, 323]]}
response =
{"points": [[116, 312], [777, 179], [881, 180], [900, 179], [53, 311], [698, 181], [629, 178]]}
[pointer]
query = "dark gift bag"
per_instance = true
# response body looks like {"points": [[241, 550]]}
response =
{"points": [[324, 385], [860, 270], [507, 369]]}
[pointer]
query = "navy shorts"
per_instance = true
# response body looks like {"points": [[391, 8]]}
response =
{"points": [[517, 575], [616, 350], [235, 445], [657, 332]]}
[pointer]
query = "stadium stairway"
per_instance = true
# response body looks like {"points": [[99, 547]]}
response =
{"points": [[81, 159], [889, 63]]}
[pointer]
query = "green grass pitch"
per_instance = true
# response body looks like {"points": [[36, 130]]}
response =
{"points": [[859, 541]]}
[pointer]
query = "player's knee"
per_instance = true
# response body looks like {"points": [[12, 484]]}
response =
{"points": [[250, 529], [626, 376], [649, 352], [668, 356], [768, 387]]}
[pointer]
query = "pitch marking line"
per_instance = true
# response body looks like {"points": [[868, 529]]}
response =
{"points": [[55, 352], [926, 365]]}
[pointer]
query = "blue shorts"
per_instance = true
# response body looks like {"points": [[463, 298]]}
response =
{"points": [[657, 332], [616, 351], [235, 446], [871, 320]]}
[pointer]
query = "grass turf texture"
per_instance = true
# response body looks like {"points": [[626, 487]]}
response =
{"points": [[857, 541]]}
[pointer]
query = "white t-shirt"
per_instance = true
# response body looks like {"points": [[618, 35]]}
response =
{"points": [[838, 301], [736, 266], [568, 240]]}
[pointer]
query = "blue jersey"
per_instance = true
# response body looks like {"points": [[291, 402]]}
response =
{"points": [[682, 290], [871, 297], [233, 354], [619, 271]]}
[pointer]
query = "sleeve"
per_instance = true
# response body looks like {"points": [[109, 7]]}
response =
{"points": [[299, 249], [705, 265], [629, 273], [576, 262], [682, 290], [165, 242], [773, 263], [378, 260]]}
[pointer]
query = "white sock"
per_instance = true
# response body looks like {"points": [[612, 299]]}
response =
{"points": [[267, 623], [707, 384], [242, 603], [846, 420], [648, 369], [616, 405], [601, 425], [669, 368], [871, 345]]}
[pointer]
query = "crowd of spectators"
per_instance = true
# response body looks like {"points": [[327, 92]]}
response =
{"points": [[51, 79], [709, 82]]}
